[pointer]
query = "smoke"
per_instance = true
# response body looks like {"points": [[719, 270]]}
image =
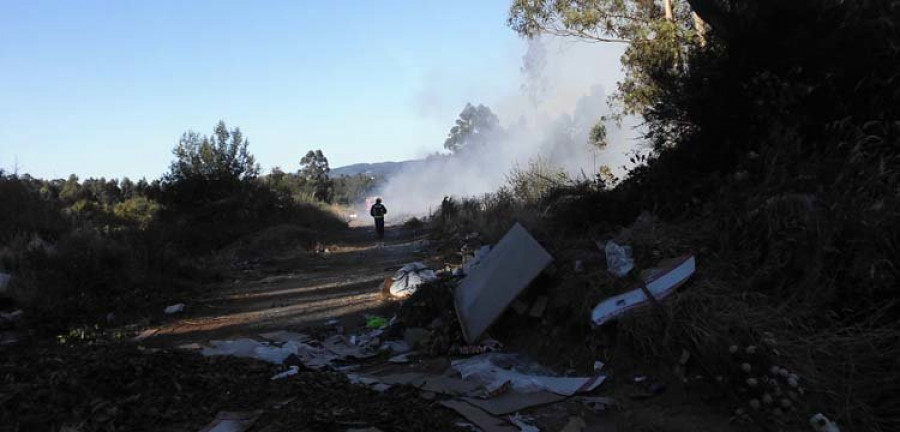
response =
{"points": [[563, 94]]}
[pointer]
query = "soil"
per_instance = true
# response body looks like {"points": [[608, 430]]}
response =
{"points": [[154, 385]]}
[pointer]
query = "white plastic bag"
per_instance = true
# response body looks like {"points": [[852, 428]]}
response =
{"points": [[409, 277], [249, 348], [618, 259]]}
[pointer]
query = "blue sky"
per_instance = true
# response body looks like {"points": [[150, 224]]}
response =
{"points": [[105, 88]]}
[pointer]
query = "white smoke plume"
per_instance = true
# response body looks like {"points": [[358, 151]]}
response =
{"points": [[564, 93]]}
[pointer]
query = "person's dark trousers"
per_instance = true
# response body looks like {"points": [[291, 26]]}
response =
{"points": [[379, 227]]}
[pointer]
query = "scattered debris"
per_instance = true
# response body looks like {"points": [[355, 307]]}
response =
{"points": [[409, 277], [376, 322], [513, 401], [493, 369], [293, 370], [227, 421], [520, 423], [671, 275], [359, 347], [483, 420], [495, 282], [396, 347], [249, 348], [402, 358], [474, 260], [488, 345], [619, 261], [175, 308]]}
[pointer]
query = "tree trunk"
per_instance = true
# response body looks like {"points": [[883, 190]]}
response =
{"points": [[713, 13], [700, 28], [670, 11]]}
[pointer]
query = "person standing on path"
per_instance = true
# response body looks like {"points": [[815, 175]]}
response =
{"points": [[378, 211]]}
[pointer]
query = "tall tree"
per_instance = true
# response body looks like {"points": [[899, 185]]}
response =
{"points": [[474, 126], [220, 157], [657, 34], [314, 169]]}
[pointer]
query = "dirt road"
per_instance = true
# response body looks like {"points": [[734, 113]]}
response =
{"points": [[295, 290]]}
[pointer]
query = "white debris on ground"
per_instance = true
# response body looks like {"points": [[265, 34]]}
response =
{"points": [[493, 370], [670, 275], [409, 277], [175, 308]]}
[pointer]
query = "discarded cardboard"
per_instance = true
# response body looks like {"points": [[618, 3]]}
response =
{"points": [[672, 274], [226, 421], [483, 420], [343, 347], [512, 401], [499, 277], [433, 383]]}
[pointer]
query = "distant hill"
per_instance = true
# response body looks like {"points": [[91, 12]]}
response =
{"points": [[380, 169]]}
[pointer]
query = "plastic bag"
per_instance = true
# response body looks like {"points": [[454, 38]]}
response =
{"points": [[409, 277], [618, 259]]}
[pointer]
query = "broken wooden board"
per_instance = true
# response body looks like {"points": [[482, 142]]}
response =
{"points": [[433, 383], [489, 288]]}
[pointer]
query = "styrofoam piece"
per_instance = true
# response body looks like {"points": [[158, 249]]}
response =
{"points": [[663, 283]]}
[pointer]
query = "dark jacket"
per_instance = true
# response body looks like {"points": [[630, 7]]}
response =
{"points": [[378, 211]]}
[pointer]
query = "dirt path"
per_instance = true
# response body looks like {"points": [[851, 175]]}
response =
{"points": [[296, 290]]}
